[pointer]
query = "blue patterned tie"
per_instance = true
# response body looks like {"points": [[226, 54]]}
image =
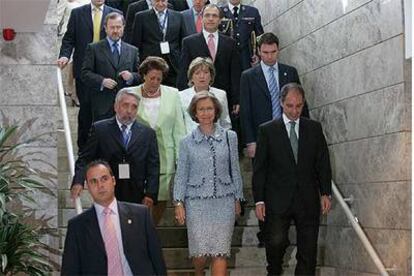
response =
{"points": [[274, 94], [125, 135], [115, 52]]}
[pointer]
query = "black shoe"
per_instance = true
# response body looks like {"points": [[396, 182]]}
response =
{"points": [[261, 244]]}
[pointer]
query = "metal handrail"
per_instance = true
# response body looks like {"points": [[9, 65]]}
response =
{"points": [[68, 137], [358, 229]]}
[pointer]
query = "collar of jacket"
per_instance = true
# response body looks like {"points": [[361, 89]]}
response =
{"points": [[217, 135]]}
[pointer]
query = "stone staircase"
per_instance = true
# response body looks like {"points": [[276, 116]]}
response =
{"points": [[246, 259]]}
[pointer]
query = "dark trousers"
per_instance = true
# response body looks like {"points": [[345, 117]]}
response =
{"points": [[276, 230], [85, 113]]}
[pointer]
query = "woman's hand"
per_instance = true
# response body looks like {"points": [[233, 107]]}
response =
{"points": [[180, 214], [237, 208]]}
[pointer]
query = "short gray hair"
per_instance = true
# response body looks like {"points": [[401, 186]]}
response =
{"points": [[126, 91]]}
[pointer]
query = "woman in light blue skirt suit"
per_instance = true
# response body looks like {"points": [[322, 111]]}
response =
{"points": [[208, 186]]}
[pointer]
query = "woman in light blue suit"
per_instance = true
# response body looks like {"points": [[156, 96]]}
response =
{"points": [[208, 185], [160, 109]]}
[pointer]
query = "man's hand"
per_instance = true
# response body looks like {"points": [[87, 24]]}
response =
{"points": [[76, 190], [236, 109], [254, 60], [62, 62], [180, 214], [325, 204], [148, 201], [251, 150], [109, 83], [126, 75], [260, 211]]}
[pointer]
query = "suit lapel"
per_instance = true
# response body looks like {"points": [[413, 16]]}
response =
{"points": [[104, 13], [116, 132], [106, 49], [286, 140], [124, 55], [170, 23], [303, 136], [126, 222], [283, 75], [135, 134], [262, 81], [87, 16], [93, 231], [156, 25], [203, 44]]}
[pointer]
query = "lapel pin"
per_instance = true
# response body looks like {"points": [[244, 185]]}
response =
{"points": [[285, 74], [129, 221], [226, 9]]}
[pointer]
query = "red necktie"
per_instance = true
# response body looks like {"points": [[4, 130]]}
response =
{"points": [[199, 23]]}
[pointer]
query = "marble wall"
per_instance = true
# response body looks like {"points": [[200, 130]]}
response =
{"points": [[350, 57], [29, 98]]}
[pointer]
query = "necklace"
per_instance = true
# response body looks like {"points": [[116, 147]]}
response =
{"points": [[148, 94]]}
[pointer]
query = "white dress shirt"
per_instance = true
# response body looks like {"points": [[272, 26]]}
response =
{"points": [[187, 95], [287, 121], [95, 7], [115, 221]]}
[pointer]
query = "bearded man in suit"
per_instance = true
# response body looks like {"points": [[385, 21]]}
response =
{"points": [[129, 147], [85, 26]]}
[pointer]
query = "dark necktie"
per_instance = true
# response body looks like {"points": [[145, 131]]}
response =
{"points": [[115, 52], [235, 13], [293, 140]]}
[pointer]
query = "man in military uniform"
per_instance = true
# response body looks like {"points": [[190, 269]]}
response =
{"points": [[239, 22]]}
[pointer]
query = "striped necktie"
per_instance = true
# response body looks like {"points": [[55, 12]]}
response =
{"points": [[274, 94], [111, 245]]}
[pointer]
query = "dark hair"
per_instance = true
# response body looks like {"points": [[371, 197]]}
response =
{"points": [[291, 86], [153, 63], [203, 95], [201, 62], [113, 15], [268, 38], [209, 6], [96, 163]]}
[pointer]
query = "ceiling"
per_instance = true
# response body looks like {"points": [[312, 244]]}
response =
{"points": [[23, 15]]}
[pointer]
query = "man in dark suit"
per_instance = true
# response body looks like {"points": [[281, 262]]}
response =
{"points": [[129, 147], [82, 30], [239, 23], [256, 93], [109, 65], [181, 5], [193, 18], [223, 53], [291, 181], [111, 237], [133, 9], [159, 32]]}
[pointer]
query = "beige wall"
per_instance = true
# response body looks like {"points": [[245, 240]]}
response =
{"points": [[28, 98], [350, 57]]}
